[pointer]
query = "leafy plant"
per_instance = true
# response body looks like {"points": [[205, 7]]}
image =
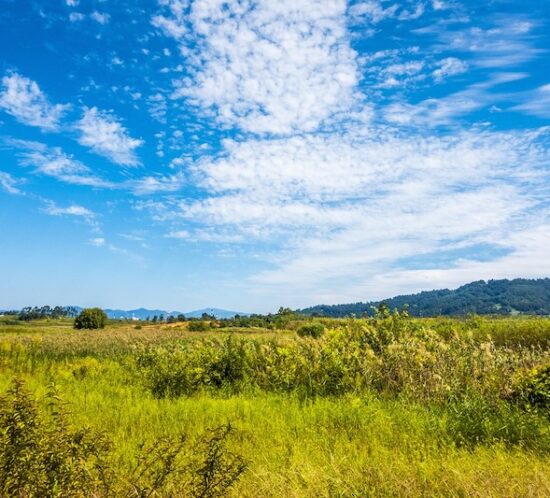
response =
{"points": [[43, 455], [198, 326], [314, 330], [532, 390], [90, 318], [46, 456], [218, 468]]}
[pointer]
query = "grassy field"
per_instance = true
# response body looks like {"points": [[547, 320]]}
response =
{"points": [[390, 406]]}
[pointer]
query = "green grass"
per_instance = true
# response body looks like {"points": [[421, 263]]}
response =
{"points": [[388, 436]]}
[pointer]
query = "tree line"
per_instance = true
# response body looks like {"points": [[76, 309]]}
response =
{"points": [[494, 297]]}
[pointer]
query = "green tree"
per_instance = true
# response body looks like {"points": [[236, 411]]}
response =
{"points": [[90, 318]]}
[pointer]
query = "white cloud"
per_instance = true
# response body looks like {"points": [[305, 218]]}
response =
{"points": [[376, 11], [266, 67], [536, 102], [100, 17], [170, 27], [97, 242], [435, 112], [399, 74], [178, 234], [411, 14], [23, 99], [71, 210], [373, 11], [76, 17], [52, 161], [9, 183], [410, 195], [156, 184], [438, 5], [72, 3], [527, 259], [446, 110], [174, 25], [508, 43], [104, 134], [302, 173], [449, 66]]}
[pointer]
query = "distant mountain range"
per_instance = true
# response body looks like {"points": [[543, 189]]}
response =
{"points": [[501, 297], [143, 313]]}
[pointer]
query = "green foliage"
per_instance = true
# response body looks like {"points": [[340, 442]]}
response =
{"points": [[91, 318], [391, 356], [217, 469], [314, 330], [285, 318], [45, 456], [473, 419], [157, 464], [39, 313], [198, 326], [383, 406], [168, 468], [184, 370], [532, 390], [495, 297]]}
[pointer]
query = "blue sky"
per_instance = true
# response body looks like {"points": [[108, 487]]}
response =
{"points": [[247, 155]]}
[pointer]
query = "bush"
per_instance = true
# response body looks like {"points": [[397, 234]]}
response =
{"points": [[43, 455], [90, 318], [314, 330], [46, 456], [532, 390], [198, 326]]}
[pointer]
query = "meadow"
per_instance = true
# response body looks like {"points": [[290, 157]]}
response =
{"points": [[384, 406]]}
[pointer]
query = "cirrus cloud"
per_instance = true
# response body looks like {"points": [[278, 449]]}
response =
{"points": [[106, 136], [24, 100]]}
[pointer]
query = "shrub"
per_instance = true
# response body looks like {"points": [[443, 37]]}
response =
{"points": [[165, 468], [314, 330], [46, 456], [90, 318], [532, 390], [390, 356], [216, 469], [43, 455], [198, 326]]}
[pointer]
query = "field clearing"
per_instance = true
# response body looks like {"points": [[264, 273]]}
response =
{"points": [[388, 407]]}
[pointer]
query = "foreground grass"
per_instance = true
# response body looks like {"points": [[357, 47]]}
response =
{"points": [[363, 443]]}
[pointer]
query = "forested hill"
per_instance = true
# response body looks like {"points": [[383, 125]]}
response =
{"points": [[501, 297]]}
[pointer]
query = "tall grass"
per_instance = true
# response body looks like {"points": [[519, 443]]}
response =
{"points": [[393, 407]]}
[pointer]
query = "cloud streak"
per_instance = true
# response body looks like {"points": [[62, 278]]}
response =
{"points": [[53, 162], [105, 135], [23, 99], [9, 184]]}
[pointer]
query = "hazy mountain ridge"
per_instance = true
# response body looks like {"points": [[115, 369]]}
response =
{"points": [[502, 297], [143, 313]]}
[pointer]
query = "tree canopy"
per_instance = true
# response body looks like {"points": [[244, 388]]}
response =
{"points": [[498, 297], [91, 318]]}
